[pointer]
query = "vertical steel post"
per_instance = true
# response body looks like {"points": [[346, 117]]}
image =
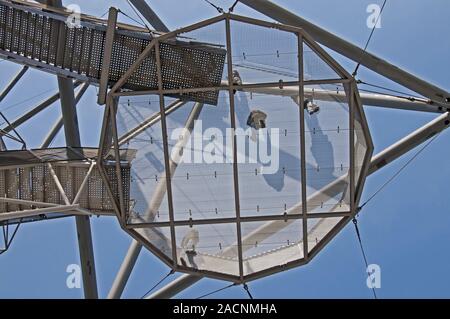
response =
{"points": [[107, 54], [72, 134], [301, 101]]}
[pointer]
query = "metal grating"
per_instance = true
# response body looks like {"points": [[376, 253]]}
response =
{"points": [[2, 191], [42, 37], [35, 183], [38, 183]]}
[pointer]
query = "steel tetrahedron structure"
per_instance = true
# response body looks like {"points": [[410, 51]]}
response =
{"points": [[233, 148]]}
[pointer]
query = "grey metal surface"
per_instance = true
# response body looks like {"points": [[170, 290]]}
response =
{"points": [[24, 175], [32, 183], [107, 55]]}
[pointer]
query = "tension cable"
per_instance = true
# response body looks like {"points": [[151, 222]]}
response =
{"points": [[231, 9], [216, 291], [219, 9], [370, 37], [158, 283], [358, 234], [248, 291]]}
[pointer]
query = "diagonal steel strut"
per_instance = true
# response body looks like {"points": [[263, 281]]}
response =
{"points": [[352, 52]]}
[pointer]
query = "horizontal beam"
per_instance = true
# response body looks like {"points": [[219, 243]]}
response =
{"points": [[244, 219], [225, 87], [369, 99], [72, 209], [26, 202]]}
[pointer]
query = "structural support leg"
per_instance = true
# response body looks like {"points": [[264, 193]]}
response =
{"points": [[125, 270], [107, 55], [72, 133], [71, 130]]}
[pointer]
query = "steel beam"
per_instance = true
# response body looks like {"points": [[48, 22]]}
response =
{"points": [[149, 15], [26, 202], [125, 270], [72, 209], [352, 52], [107, 55], [83, 224], [378, 161], [72, 134], [368, 99]]}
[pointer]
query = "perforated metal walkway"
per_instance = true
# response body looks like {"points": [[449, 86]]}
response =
{"points": [[39, 37], [27, 176]]}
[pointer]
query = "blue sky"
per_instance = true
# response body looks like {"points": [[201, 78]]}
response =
{"points": [[405, 229]]}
